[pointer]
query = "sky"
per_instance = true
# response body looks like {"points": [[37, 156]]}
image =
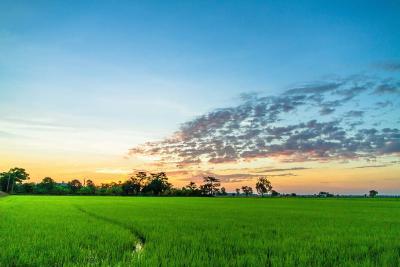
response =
{"points": [[306, 93]]}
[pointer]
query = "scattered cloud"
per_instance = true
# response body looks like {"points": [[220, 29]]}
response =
{"points": [[282, 175], [354, 113], [384, 104], [282, 169], [233, 177], [288, 128], [388, 87], [371, 166], [389, 66], [225, 178]]}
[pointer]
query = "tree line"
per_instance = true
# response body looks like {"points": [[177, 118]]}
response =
{"points": [[15, 181]]}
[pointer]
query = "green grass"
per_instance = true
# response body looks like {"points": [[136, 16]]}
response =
{"points": [[93, 231]]}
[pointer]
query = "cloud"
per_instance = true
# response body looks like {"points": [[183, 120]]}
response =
{"points": [[282, 175], [289, 126], [384, 104], [371, 166], [197, 176], [315, 88], [388, 87], [389, 66], [187, 162], [225, 178], [282, 169], [326, 111], [354, 113]]}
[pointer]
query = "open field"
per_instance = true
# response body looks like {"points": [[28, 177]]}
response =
{"points": [[151, 231]]}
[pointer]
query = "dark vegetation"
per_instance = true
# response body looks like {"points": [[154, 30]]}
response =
{"points": [[15, 181]]}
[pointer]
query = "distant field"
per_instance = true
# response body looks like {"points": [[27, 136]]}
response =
{"points": [[151, 231]]}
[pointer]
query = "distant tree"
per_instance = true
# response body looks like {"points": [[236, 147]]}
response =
{"points": [[205, 189], [191, 189], [47, 185], [142, 178], [140, 183], [263, 186], [191, 186], [111, 189], [214, 184], [158, 184], [13, 176], [223, 191], [324, 194], [102, 189], [90, 183], [211, 185], [74, 185], [62, 190], [237, 191], [293, 194], [88, 189], [132, 186], [24, 188], [247, 190], [373, 193], [274, 193], [136, 184]]}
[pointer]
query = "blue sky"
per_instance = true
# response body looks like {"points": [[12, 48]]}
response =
{"points": [[201, 54], [127, 72]]}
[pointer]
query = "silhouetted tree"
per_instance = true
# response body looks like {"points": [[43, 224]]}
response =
{"points": [[191, 189], [158, 184], [223, 191], [324, 194], [10, 178], [132, 186], [247, 190], [74, 185], [237, 191], [274, 193], [142, 178], [263, 186], [89, 188], [373, 193], [24, 188], [140, 183], [62, 189], [211, 185], [114, 189], [191, 186], [90, 183], [47, 185]]}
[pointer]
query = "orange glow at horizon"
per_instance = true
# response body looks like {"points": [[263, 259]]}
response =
{"points": [[332, 177]]}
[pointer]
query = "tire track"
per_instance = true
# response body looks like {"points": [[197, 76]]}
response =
{"points": [[138, 247]]}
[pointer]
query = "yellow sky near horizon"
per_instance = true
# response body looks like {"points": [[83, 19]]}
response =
{"points": [[307, 177]]}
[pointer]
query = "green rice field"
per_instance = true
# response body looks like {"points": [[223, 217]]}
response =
{"points": [[167, 231]]}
